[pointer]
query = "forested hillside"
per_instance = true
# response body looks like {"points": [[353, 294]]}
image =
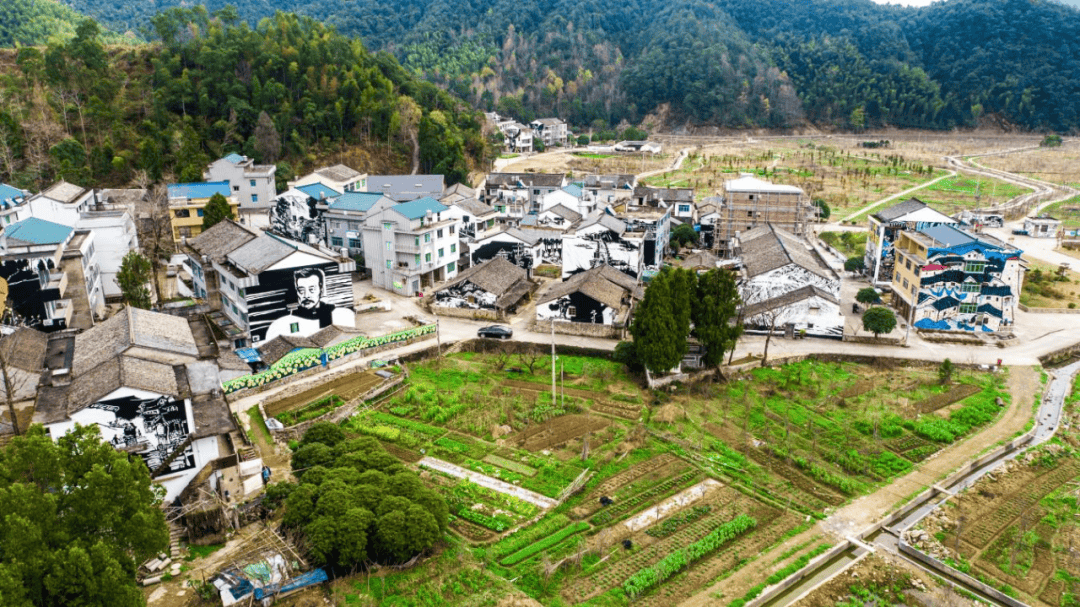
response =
{"points": [[35, 21], [774, 63], [291, 91]]}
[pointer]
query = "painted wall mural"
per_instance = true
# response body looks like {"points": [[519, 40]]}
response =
{"points": [[576, 307], [299, 302], [785, 280], [294, 215], [26, 281], [581, 252], [465, 295], [516, 253], [160, 424]]}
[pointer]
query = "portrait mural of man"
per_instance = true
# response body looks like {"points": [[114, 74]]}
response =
{"points": [[314, 298], [295, 216]]}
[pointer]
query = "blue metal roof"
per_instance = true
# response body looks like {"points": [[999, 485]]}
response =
{"points": [[11, 196], [204, 189], [415, 209], [947, 235], [235, 158], [38, 231], [318, 191], [573, 190], [355, 201]]}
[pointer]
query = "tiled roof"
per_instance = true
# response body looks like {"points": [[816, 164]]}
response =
{"points": [[415, 209], [38, 231], [25, 349], [948, 236], [221, 239], [496, 276], [551, 180], [900, 209], [198, 191], [319, 191], [132, 327], [474, 207], [603, 283], [612, 223], [64, 192], [787, 299], [338, 172], [260, 253], [354, 201], [407, 187], [565, 212], [767, 248]]}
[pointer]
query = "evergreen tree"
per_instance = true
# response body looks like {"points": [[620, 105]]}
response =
{"points": [[216, 211], [267, 139], [715, 311], [133, 277], [659, 328]]}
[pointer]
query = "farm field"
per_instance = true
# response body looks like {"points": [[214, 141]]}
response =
{"points": [[850, 244], [679, 489], [1017, 529], [1068, 211], [1044, 287], [343, 388], [1056, 165]]}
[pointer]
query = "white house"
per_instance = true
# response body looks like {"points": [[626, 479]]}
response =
{"points": [[13, 205], [551, 131], [338, 177], [511, 243], [253, 185], [599, 240]]}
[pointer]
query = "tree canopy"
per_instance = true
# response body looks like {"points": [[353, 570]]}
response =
{"points": [[879, 320], [715, 312], [662, 320], [79, 516], [355, 503], [134, 275], [217, 209]]}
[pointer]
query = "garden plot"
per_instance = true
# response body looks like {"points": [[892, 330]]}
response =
{"points": [[345, 388], [487, 481], [556, 431], [654, 514]]}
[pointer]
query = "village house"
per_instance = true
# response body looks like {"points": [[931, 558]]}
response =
{"points": [[606, 190], [338, 177], [476, 220], [23, 351], [708, 219], [514, 195], [595, 302], [138, 377], [649, 147], [187, 202], [265, 285], [343, 218], [404, 188], [785, 284], [551, 131], [411, 246], [679, 200], [517, 138], [946, 279], [750, 202], [598, 240], [649, 230], [513, 244], [492, 290], [885, 227], [1042, 226], [13, 205], [252, 185]]}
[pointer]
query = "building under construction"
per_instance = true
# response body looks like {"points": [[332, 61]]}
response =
{"points": [[750, 202]]}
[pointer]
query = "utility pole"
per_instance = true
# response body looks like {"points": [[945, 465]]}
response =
{"points": [[554, 392], [438, 339]]}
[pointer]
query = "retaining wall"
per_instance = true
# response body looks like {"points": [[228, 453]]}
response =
{"points": [[771, 591], [469, 313], [337, 415], [1048, 310], [581, 329], [944, 569], [1066, 352]]}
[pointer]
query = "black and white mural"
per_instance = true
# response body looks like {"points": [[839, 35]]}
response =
{"points": [[584, 251], [465, 295], [150, 425], [299, 302], [576, 307], [517, 253], [294, 215], [27, 281]]}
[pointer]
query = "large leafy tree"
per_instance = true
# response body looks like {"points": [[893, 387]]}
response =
{"points": [[662, 321], [715, 310], [133, 277], [878, 320], [216, 211], [356, 503], [78, 518]]}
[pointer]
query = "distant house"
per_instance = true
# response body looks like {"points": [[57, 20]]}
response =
{"points": [[598, 240], [252, 185], [601, 297], [786, 284], [404, 188], [476, 219], [298, 213], [885, 228], [496, 286], [515, 194], [13, 205], [338, 177], [517, 138], [602, 190], [551, 131], [343, 218], [187, 202], [650, 147], [750, 203], [411, 246], [679, 200], [701, 261], [955, 280], [1042, 226]]}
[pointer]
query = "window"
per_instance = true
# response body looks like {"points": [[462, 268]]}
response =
{"points": [[427, 237], [440, 253], [971, 287], [294, 327], [389, 247], [907, 262], [417, 260], [453, 248], [236, 188], [199, 212], [905, 283], [336, 241], [354, 243], [571, 311], [439, 235], [452, 229], [183, 213], [536, 192], [252, 183], [417, 241], [244, 317], [749, 213], [968, 308], [254, 198], [427, 257], [450, 266], [387, 264], [389, 226], [974, 267], [684, 208]]}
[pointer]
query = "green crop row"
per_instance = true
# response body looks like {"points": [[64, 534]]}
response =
{"points": [[528, 535], [498, 523], [610, 513], [511, 465], [545, 543], [412, 426], [672, 524], [682, 558]]}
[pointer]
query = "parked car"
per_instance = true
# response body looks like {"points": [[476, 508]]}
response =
{"points": [[496, 332], [1021, 233]]}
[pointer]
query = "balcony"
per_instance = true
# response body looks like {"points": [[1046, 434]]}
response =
{"points": [[59, 310], [58, 281]]}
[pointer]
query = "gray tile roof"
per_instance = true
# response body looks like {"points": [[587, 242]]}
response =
{"points": [[496, 276], [767, 248], [608, 221], [260, 253], [787, 299], [603, 283], [406, 187], [64, 192], [338, 172], [551, 180], [25, 349], [132, 328], [900, 209], [221, 239], [565, 212], [473, 206]]}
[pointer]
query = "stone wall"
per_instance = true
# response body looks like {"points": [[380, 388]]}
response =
{"points": [[470, 313], [1058, 355], [337, 415], [1048, 310], [582, 329]]}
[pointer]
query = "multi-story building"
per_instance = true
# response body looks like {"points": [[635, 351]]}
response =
{"points": [[252, 185], [551, 131], [13, 205], [52, 273], [62, 203], [947, 279], [750, 202], [514, 194], [403, 188], [609, 189], [268, 286], [343, 218], [338, 177], [887, 224], [186, 204], [410, 246], [679, 200]]}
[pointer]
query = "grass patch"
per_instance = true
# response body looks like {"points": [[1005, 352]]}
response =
{"points": [[258, 427], [310, 411], [201, 552]]}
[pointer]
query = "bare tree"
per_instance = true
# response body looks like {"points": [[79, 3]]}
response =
{"points": [[154, 227], [531, 358]]}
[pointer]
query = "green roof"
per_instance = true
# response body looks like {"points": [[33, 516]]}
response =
{"points": [[38, 231], [415, 209]]}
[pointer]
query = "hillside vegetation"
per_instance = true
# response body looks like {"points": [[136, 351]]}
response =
{"points": [[850, 64], [291, 91]]}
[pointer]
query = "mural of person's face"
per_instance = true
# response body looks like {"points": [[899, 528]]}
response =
{"points": [[308, 291]]}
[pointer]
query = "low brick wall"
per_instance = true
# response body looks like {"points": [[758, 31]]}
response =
{"points": [[470, 313], [1049, 310], [581, 329]]}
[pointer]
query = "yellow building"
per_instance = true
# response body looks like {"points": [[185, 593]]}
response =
{"points": [[186, 204]]}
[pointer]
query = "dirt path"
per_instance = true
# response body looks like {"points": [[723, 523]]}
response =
{"points": [[1023, 384]]}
